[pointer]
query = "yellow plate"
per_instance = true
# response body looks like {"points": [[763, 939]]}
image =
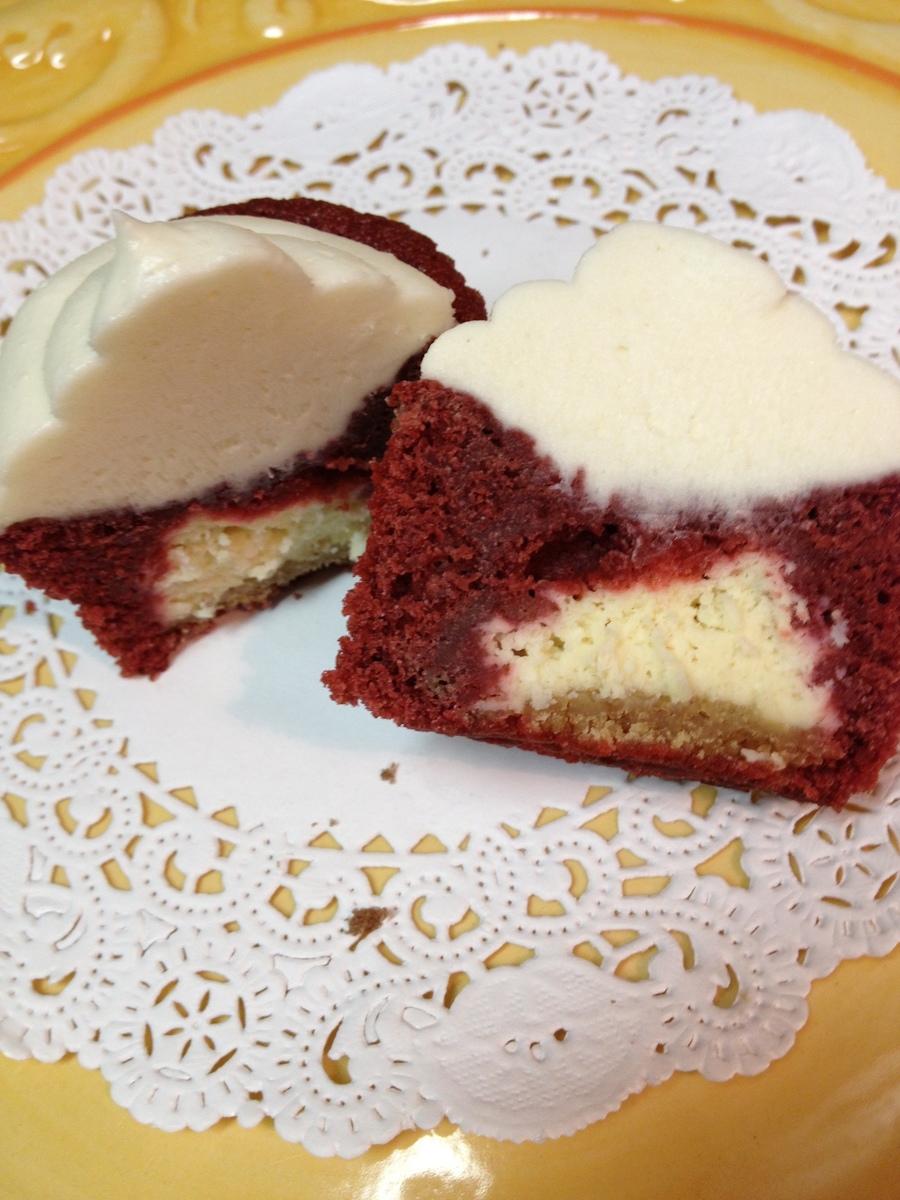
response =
{"points": [[822, 1123]]}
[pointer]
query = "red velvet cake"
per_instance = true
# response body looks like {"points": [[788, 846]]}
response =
{"points": [[188, 414], [648, 519]]}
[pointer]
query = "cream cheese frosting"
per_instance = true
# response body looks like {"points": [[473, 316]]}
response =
{"points": [[181, 355], [677, 371]]}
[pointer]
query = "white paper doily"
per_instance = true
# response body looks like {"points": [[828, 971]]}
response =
{"points": [[235, 898]]}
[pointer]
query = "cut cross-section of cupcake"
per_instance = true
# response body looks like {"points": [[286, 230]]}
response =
{"points": [[188, 412], [649, 518]]}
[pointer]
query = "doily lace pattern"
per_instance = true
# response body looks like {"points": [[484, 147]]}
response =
{"points": [[558, 133], [526, 977]]}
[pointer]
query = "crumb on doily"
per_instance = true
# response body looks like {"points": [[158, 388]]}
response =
{"points": [[363, 921], [389, 774]]}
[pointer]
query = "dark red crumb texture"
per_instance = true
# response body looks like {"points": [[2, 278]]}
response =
{"points": [[469, 521], [107, 563]]}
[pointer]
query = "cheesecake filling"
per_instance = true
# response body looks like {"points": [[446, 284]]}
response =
{"points": [[729, 649], [219, 564], [183, 355]]}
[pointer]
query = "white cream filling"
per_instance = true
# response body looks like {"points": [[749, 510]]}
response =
{"points": [[210, 559], [183, 354], [676, 370], [730, 638]]}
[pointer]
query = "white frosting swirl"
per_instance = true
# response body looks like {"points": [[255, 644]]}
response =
{"points": [[184, 354], [679, 372]]}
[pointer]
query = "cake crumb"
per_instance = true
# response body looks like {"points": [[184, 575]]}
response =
{"points": [[389, 774], [363, 921]]}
